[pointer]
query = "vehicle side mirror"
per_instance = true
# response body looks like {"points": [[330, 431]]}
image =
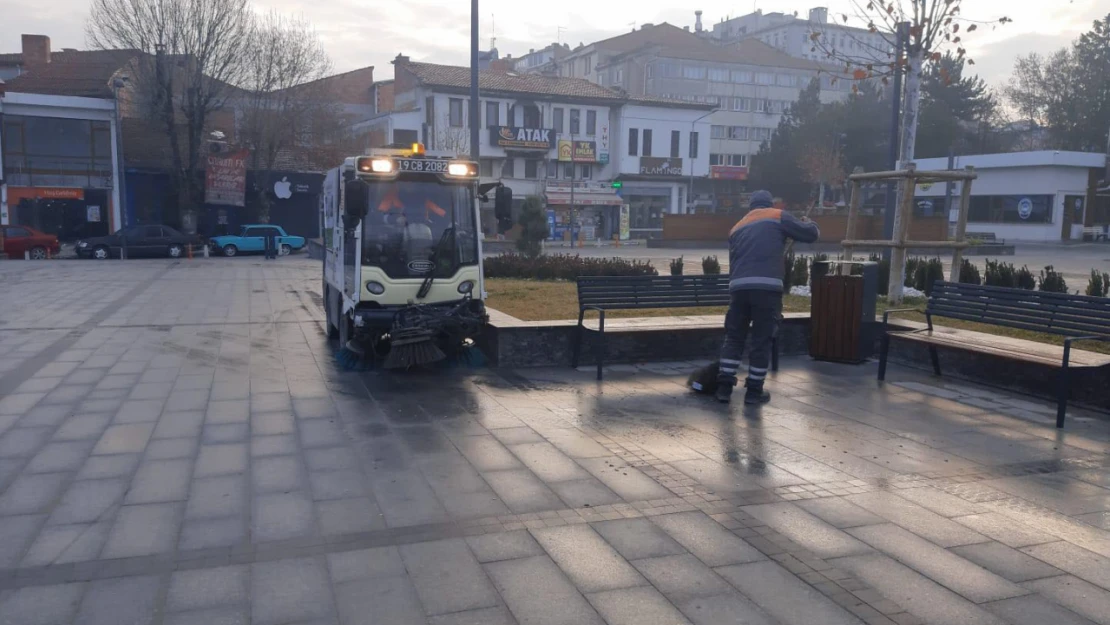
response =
{"points": [[503, 207], [356, 202]]}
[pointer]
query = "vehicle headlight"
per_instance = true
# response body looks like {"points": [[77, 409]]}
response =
{"points": [[82, 244], [466, 287], [377, 288]]}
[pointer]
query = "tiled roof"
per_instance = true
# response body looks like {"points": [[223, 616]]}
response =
{"points": [[353, 87], [510, 82], [75, 73], [660, 34]]}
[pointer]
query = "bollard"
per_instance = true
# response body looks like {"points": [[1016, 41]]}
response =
{"points": [[189, 252], [26, 254], [206, 251], [48, 256]]}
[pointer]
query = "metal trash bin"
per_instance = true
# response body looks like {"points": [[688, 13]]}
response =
{"points": [[842, 326]]}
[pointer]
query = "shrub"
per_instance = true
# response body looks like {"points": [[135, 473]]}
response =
{"points": [[1051, 281], [562, 267], [533, 228], [1000, 274], [799, 273], [927, 273], [676, 266], [1023, 279], [710, 266], [969, 273], [1099, 284], [883, 270], [787, 271]]}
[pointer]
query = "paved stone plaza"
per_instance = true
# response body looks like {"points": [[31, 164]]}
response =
{"points": [[178, 445]]}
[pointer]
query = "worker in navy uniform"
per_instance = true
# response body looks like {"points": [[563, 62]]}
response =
{"points": [[756, 246]]}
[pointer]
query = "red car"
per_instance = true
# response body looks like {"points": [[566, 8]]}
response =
{"points": [[20, 239]]}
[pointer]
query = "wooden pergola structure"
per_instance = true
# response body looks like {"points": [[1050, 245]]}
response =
{"points": [[907, 180]]}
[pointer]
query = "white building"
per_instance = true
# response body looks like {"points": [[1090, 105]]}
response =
{"points": [[1027, 196], [795, 36], [564, 140], [59, 156]]}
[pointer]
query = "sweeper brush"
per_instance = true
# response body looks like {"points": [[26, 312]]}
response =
{"points": [[704, 379], [412, 347]]}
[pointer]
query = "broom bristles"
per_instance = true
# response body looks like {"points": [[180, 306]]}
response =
{"points": [[412, 354]]}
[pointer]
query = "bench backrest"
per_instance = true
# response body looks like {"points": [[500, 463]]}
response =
{"points": [[982, 236], [1038, 311], [631, 292]]}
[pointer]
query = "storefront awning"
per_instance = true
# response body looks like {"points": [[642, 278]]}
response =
{"points": [[582, 198]]}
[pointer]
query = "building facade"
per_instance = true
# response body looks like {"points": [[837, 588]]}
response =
{"points": [[556, 139], [1027, 196], [794, 36]]}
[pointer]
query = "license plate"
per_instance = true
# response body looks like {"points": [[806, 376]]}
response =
{"points": [[435, 166]]}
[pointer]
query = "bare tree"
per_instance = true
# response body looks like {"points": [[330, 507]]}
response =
{"points": [[452, 138], [283, 103], [821, 166], [192, 52], [931, 27]]}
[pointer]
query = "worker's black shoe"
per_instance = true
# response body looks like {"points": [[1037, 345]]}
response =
{"points": [[755, 393], [724, 393]]}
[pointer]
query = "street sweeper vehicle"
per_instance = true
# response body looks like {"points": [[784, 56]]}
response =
{"points": [[403, 277]]}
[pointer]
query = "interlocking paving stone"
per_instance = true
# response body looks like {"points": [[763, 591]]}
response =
{"points": [[785, 597], [587, 559], [584, 493], [142, 530], [624, 479], [406, 499], [16, 532], [1006, 561], [221, 459], [807, 530], [916, 593], [944, 567], [1004, 529], [939, 501], [522, 491], [548, 463], [504, 546], [707, 539], [289, 591], [681, 577], [230, 615], [487, 454], [160, 481], [278, 516], [88, 500], [727, 609], [209, 533], [1034, 610], [348, 516], [40, 605], [209, 587], [122, 439], [636, 539], [447, 577], [1075, 560], [1079, 596], [916, 519], [636, 606], [365, 564], [484, 616], [537, 593], [32, 493], [838, 512], [118, 601]]}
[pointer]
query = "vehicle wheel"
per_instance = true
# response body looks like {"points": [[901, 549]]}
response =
{"points": [[176, 251], [286, 249], [333, 329], [100, 252], [38, 253], [230, 250]]}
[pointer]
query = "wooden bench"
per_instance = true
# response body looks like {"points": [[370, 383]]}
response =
{"points": [[1095, 232], [1076, 317], [987, 238], [647, 292]]}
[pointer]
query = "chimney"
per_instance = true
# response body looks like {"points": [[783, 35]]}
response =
{"points": [[36, 50], [400, 60], [819, 15], [697, 22]]}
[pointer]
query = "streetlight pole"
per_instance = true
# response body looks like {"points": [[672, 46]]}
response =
{"points": [[901, 34], [475, 113], [690, 186]]}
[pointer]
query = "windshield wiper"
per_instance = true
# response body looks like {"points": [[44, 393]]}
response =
{"points": [[433, 258]]}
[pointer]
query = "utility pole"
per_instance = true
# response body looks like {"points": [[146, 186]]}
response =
{"points": [[573, 173], [901, 33], [475, 112], [117, 84]]}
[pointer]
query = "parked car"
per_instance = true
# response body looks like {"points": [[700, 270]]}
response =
{"points": [[20, 239], [252, 238], [141, 241]]}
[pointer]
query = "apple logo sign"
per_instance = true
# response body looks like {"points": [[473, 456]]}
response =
{"points": [[282, 188]]}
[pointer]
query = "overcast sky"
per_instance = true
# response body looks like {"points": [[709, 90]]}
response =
{"points": [[357, 33]]}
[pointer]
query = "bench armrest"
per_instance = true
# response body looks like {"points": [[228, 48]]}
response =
{"points": [[594, 308], [887, 313]]}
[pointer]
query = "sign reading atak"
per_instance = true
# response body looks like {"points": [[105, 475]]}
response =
{"points": [[522, 138], [225, 178], [653, 166]]}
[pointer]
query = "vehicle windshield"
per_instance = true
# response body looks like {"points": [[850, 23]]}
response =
{"points": [[407, 220]]}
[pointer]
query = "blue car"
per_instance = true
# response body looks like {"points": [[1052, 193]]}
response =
{"points": [[252, 238]]}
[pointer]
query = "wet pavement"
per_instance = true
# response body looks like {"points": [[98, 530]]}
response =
{"points": [[178, 444]]}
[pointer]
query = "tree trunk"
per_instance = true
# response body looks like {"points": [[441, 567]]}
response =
{"points": [[910, 108], [820, 195]]}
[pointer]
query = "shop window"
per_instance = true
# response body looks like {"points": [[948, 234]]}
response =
{"points": [[508, 168], [1015, 209], [493, 114], [587, 172], [552, 169]]}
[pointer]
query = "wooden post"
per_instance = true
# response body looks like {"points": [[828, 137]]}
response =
{"points": [[853, 216], [961, 226], [901, 227]]}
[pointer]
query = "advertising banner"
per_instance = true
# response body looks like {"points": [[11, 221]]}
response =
{"points": [[728, 172], [578, 151], [626, 221], [653, 166], [515, 138], [225, 178]]}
